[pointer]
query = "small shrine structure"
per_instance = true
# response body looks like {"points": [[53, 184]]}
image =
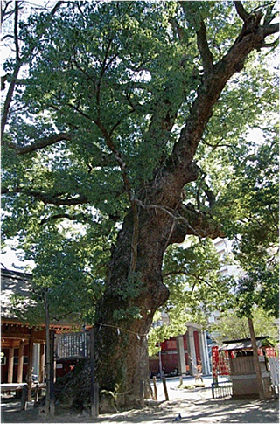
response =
{"points": [[242, 369]]}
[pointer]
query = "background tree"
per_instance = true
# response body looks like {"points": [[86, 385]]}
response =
{"points": [[103, 129], [251, 217], [62, 269], [256, 228], [241, 180], [232, 327], [197, 288]]}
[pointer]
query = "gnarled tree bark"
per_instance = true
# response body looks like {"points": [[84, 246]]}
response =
{"points": [[124, 316], [157, 216]]}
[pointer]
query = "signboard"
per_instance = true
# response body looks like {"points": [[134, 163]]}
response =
{"points": [[171, 345], [72, 345]]}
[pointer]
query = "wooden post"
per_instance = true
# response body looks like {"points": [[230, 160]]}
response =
{"points": [[160, 364], [29, 371], [20, 363], [256, 359], [165, 388], [24, 396], [155, 387], [94, 387], [52, 371], [41, 375], [11, 364], [47, 356], [142, 393], [36, 395], [96, 399]]}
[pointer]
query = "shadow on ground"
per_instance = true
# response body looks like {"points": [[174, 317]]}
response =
{"points": [[197, 411]]}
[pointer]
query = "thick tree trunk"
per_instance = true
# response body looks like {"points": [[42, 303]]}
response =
{"points": [[125, 314], [133, 294], [135, 288]]}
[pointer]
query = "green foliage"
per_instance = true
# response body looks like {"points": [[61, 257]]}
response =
{"points": [[106, 74], [232, 327], [248, 209], [193, 277], [250, 212], [196, 286], [260, 287], [63, 269]]}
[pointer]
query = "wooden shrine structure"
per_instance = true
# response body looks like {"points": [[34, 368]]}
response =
{"points": [[22, 344]]}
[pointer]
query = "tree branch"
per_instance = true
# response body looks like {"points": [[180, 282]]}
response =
{"points": [[56, 7], [187, 221], [48, 199], [192, 222], [7, 102], [252, 37], [131, 197], [205, 53], [270, 29], [40, 144], [57, 216], [16, 30], [4, 78], [19, 62], [244, 15]]}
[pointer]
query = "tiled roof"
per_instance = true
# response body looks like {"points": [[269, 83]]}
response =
{"points": [[13, 282], [241, 344], [19, 283]]}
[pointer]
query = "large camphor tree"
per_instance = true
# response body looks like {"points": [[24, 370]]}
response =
{"points": [[107, 104]]}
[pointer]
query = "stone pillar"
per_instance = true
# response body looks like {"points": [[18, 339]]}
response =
{"points": [[204, 349], [41, 374], [35, 355], [11, 365], [202, 352], [20, 363], [188, 351], [181, 355], [192, 351]]}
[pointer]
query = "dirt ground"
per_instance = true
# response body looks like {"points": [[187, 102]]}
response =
{"points": [[200, 409]]}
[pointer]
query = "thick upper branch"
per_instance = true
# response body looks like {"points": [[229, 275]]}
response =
{"points": [[205, 53], [241, 11], [40, 144], [8, 99], [192, 222], [179, 165], [47, 198]]}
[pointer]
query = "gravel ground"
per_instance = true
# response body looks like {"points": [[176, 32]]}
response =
{"points": [[197, 407]]}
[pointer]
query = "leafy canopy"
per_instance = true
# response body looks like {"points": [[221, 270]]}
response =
{"points": [[102, 93], [232, 327]]}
